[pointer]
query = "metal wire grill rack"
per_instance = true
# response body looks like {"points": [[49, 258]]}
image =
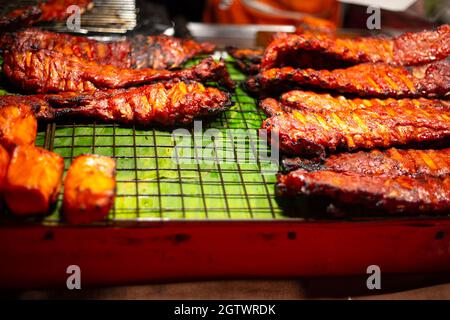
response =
{"points": [[109, 16], [160, 177]]}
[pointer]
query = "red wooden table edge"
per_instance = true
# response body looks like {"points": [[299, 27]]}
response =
{"points": [[38, 256]]}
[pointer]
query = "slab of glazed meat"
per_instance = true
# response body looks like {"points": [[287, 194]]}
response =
{"points": [[46, 71], [407, 49], [371, 80], [247, 60], [380, 193], [156, 52], [310, 131], [392, 162], [51, 10], [161, 104]]}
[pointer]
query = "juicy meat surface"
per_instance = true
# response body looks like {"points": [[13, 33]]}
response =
{"points": [[398, 194], [49, 71], [407, 49], [325, 102], [247, 60], [44, 11], [18, 125], [163, 104], [392, 162], [387, 123], [377, 80], [4, 163], [33, 180], [89, 189], [155, 52]]}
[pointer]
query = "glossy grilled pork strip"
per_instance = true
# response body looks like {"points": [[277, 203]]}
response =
{"points": [[48, 71], [163, 104], [377, 80], [307, 130], [397, 194], [392, 162], [247, 60], [407, 49], [44, 11], [156, 52]]}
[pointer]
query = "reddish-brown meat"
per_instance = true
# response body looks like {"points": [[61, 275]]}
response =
{"points": [[49, 71], [308, 131], [407, 49], [33, 180], [391, 162], [399, 194], [89, 189], [247, 60], [325, 102], [51, 10], [156, 52], [4, 163], [18, 125], [377, 80], [163, 104]]}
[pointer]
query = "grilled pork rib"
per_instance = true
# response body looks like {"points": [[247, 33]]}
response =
{"points": [[305, 130], [376, 80], [407, 49], [392, 162], [156, 52], [48, 71], [393, 181], [51, 10], [163, 104], [397, 194], [247, 60]]}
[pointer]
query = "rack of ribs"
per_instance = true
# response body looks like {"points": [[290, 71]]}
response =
{"points": [[407, 49], [51, 10], [247, 60], [393, 181], [160, 104], [156, 52], [391, 162], [371, 80], [305, 129], [47, 71]]}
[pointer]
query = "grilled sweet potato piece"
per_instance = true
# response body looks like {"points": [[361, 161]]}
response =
{"points": [[18, 126], [33, 180], [89, 189], [4, 162]]}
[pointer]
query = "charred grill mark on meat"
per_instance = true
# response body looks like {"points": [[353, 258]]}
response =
{"points": [[377, 80], [308, 131], [392, 162], [48, 71], [247, 60], [325, 102], [398, 194], [156, 52], [51, 10], [163, 104], [407, 49]]}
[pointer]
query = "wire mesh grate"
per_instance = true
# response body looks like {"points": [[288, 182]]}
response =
{"points": [[159, 179], [106, 16]]}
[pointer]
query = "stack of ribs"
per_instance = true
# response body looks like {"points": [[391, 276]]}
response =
{"points": [[137, 52], [134, 81], [137, 81], [370, 128]]}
